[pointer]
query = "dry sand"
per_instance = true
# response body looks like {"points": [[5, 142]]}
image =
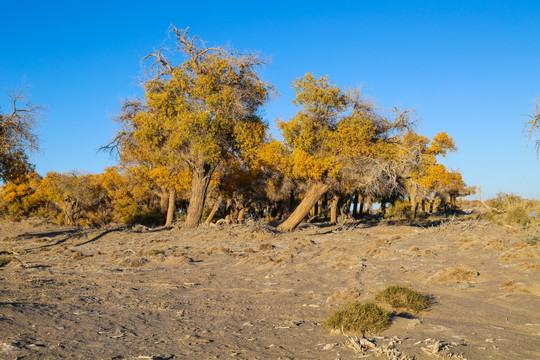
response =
{"points": [[244, 292]]}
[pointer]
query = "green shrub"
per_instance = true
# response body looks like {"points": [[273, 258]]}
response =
{"points": [[400, 210], [359, 318], [147, 217], [403, 298], [4, 261]]}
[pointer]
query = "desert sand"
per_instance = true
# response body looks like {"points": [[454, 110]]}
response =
{"points": [[248, 292]]}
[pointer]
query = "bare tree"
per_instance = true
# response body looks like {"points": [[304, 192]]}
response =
{"points": [[17, 136], [533, 126]]}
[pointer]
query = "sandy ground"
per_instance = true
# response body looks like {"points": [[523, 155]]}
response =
{"points": [[245, 292]]}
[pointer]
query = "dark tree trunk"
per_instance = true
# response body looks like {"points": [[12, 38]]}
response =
{"points": [[199, 187], [355, 205], [368, 205], [172, 207], [310, 199], [382, 209]]}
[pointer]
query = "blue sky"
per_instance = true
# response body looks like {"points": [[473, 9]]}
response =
{"points": [[470, 68]]}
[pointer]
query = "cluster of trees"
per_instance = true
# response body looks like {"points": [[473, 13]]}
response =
{"points": [[196, 146]]}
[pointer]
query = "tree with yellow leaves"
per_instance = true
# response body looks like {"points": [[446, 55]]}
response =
{"points": [[332, 129], [196, 113]]}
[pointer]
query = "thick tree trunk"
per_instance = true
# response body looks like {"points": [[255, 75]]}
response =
{"points": [[172, 207], [199, 187], [310, 199], [333, 209], [164, 201], [215, 209]]}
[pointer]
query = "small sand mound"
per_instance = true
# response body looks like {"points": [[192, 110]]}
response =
{"points": [[455, 275]]}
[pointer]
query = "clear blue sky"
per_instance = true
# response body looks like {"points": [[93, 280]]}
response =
{"points": [[471, 68]]}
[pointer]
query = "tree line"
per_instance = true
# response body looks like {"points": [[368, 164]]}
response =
{"points": [[196, 147]]}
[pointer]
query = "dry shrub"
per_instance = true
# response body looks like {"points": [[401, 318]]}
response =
{"points": [[77, 255], [455, 275], [4, 261], [512, 286], [403, 299], [133, 262], [466, 244], [535, 266], [359, 317], [249, 250], [221, 250], [519, 252], [265, 246], [344, 296]]}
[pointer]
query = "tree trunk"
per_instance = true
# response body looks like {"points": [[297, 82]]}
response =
{"points": [[414, 205], [199, 187], [164, 201], [241, 215], [382, 209], [368, 205], [215, 209], [310, 199], [172, 207], [355, 205], [333, 209]]}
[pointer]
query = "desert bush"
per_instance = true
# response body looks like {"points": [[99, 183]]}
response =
{"points": [[156, 252], [400, 210], [513, 209], [359, 318], [4, 261], [145, 217], [399, 297]]}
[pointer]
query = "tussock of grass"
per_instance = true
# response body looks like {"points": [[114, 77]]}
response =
{"points": [[403, 298], [4, 261], [359, 318], [156, 252]]}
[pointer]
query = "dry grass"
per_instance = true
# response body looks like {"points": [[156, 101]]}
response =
{"points": [[359, 317], [516, 287], [455, 275], [344, 296], [403, 299]]}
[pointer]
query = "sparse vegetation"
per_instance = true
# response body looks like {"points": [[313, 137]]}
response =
{"points": [[4, 261], [359, 317], [400, 210], [403, 299], [156, 252], [511, 209]]}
